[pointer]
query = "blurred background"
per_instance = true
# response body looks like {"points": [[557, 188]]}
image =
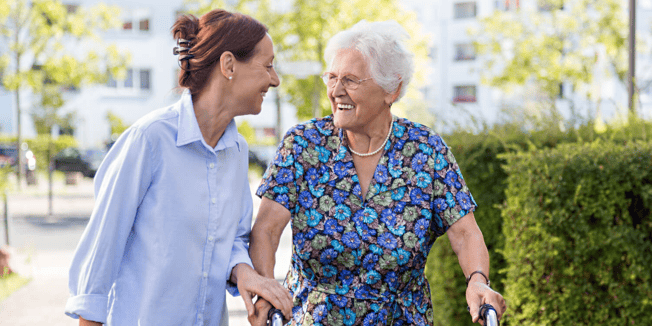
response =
{"points": [[543, 99]]}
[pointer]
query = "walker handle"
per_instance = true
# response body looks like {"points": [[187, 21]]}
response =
{"points": [[489, 315], [274, 317]]}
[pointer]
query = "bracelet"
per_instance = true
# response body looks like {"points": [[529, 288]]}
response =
{"points": [[481, 273]]}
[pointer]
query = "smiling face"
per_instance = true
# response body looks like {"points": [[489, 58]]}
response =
{"points": [[253, 78], [356, 109]]}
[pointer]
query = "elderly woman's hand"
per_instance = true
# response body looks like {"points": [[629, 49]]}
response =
{"points": [[251, 283], [259, 318], [479, 293]]}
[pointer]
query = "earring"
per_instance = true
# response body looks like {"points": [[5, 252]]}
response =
{"points": [[230, 77]]}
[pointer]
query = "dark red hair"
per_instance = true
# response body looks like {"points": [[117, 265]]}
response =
{"points": [[211, 35]]}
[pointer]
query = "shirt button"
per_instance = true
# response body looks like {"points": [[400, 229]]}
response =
{"points": [[200, 316], [214, 200], [212, 165], [210, 239], [205, 275]]}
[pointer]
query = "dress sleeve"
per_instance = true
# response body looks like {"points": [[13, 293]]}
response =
{"points": [[452, 199], [279, 181], [120, 185], [240, 251]]}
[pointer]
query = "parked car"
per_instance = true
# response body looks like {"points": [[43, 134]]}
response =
{"points": [[9, 157], [74, 160]]}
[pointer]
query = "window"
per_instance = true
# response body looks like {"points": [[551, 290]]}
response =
{"points": [[507, 5], [464, 52], [129, 80], [143, 25], [134, 80], [136, 21], [112, 83], [465, 10], [464, 94], [144, 79]]}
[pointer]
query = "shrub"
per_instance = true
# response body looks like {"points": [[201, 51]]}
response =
{"points": [[479, 157], [578, 235]]}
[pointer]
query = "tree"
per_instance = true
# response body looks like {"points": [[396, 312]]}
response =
{"points": [[116, 124], [44, 52], [300, 33], [560, 43]]}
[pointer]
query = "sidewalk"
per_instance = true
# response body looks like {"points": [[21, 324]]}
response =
{"points": [[43, 299]]}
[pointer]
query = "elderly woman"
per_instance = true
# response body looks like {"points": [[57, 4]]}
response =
{"points": [[368, 194]]}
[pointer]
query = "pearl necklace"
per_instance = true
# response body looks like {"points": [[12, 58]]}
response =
{"points": [[379, 148]]}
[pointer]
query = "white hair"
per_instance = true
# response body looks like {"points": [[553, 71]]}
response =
{"points": [[381, 44]]}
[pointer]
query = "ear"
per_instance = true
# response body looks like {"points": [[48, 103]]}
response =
{"points": [[227, 64], [390, 98]]}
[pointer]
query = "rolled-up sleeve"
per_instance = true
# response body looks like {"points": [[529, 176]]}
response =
{"points": [[120, 185]]}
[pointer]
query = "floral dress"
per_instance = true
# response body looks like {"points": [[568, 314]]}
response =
{"points": [[360, 261]]}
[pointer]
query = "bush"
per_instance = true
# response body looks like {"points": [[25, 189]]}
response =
{"points": [[578, 235], [479, 158]]}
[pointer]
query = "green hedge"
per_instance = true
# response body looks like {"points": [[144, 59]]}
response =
{"points": [[479, 157], [578, 235]]}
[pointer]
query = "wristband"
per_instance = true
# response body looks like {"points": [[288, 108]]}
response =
{"points": [[468, 279]]}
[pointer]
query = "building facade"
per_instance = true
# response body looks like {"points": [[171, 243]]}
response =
{"points": [[454, 91]]}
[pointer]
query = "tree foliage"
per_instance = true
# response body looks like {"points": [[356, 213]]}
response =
{"points": [[301, 31], [116, 124], [45, 46], [48, 47], [558, 45]]}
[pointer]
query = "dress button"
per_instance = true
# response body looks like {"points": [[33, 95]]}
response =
{"points": [[212, 165], [210, 239], [205, 275], [214, 200]]}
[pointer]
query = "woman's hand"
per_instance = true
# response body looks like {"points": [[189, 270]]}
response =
{"points": [[259, 317], [84, 322], [477, 294], [251, 283]]}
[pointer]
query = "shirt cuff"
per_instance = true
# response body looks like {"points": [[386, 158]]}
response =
{"points": [[91, 307], [236, 259]]}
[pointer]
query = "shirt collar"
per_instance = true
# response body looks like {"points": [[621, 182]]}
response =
{"points": [[188, 128]]}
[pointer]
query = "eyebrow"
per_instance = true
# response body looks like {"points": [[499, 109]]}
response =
{"points": [[344, 75]]}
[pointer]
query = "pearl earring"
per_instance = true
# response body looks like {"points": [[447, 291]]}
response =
{"points": [[230, 77]]}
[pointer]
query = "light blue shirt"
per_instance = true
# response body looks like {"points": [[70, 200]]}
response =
{"points": [[172, 218]]}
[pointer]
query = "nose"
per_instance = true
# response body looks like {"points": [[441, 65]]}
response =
{"points": [[275, 80], [338, 88]]}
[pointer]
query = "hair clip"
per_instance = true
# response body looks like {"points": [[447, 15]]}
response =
{"points": [[183, 42], [177, 50], [185, 57]]}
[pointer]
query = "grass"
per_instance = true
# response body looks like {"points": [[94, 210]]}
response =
{"points": [[10, 283]]}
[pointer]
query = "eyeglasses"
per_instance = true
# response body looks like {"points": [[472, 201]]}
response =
{"points": [[348, 81]]}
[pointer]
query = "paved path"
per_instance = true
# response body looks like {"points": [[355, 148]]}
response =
{"points": [[43, 248]]}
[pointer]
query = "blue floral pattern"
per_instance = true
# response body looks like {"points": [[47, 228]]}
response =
{"points": [[360, 261]]}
